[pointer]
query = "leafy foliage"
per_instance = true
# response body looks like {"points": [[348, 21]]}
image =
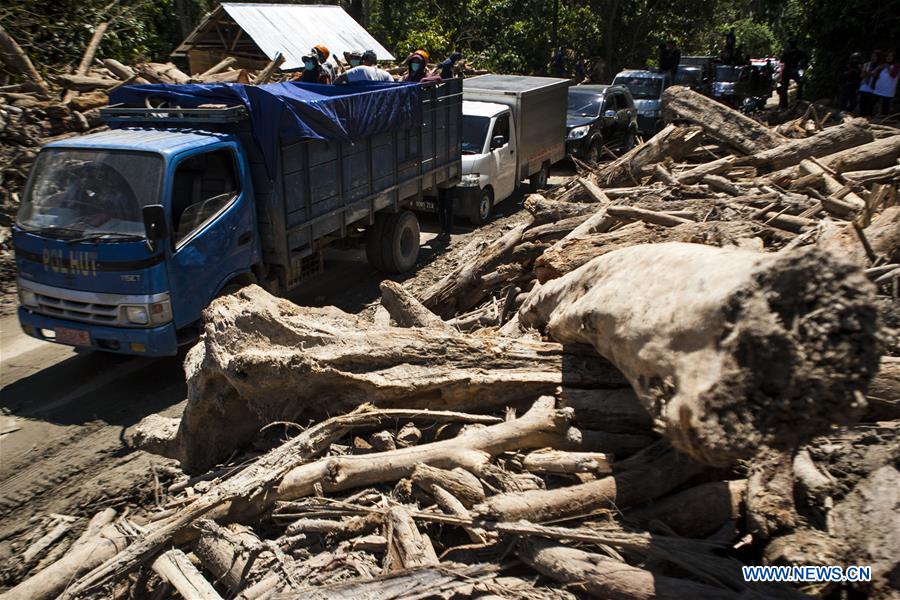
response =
{"points": [[515, 36]]}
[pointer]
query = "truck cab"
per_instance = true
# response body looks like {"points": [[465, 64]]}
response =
{"points": [[82, 252], [488, 158], [514, 128]]}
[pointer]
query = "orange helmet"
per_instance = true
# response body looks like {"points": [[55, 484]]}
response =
{"points": [[323, 51], [422, 53]]}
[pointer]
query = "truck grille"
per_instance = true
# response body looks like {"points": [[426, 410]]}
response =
{"points": [[87, 312]]}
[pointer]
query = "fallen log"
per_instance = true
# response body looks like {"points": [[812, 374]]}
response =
{"points": [[176, 569], [84, 555], [560, 462], [884, 175], [603, 577], [123, 72], [408, 548], [672, 142], [266, 74], [162, 73], [719, 121], [832, 186], [85, 83], [849, 134], [643, 477], [716, 167], [708, 355], [217, 68], [633, 213], [615, 411], [406, 310], [879, 154], [568, 255], [463, 288], [696, 512], [19, 62], [234, 556], [264, 359], [544, 210]]}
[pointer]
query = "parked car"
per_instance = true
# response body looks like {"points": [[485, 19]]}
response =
{"points": [[598, 116], [647, 89], [693, 78]]}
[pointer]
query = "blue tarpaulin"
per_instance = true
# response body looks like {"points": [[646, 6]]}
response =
{"points": [[293, 110]]}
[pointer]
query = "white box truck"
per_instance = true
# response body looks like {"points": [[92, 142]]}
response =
{"points": [[514, 128]]}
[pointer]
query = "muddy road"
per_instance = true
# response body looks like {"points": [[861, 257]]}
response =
{"points": [[64, 413]]}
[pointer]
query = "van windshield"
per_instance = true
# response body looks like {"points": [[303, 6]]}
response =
{"points": [[474, 134], [75, 193], [641, 88]]}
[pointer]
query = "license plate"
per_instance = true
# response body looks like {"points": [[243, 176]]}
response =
{"points": [[73, 337], [424, 205]]}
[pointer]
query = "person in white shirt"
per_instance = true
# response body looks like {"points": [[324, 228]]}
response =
{"points": [[367, 71], [886, 82]]}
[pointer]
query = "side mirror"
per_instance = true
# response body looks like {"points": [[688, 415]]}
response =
{"points": [[497, 141], [609, 113], [155, 225]]}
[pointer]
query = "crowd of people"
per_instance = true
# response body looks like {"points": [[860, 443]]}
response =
{"points": [[869, 87], [362, 65]]}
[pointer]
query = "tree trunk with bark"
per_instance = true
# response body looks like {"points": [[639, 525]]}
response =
{"points": [[728, 348]]}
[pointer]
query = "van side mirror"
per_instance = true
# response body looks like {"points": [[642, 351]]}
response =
{"points": [[497, 141], [609, 113], [155, 225]]}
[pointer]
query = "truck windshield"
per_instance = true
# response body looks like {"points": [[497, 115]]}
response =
{"points": [[95, 193], [641, 88], [585, 104], [474, 134]]}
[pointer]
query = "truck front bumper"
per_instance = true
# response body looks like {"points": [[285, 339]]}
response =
{"points": [[151, 341]]}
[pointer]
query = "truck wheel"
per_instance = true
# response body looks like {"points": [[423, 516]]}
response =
{"points": [[485, 208], [539, 180], [393, 242]]}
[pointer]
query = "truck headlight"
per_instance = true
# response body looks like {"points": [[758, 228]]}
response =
{"points": [[139, 315], [576, 133], [27, 297], [470, 180]]}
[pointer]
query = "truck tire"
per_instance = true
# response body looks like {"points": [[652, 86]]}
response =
{"points": [[539, 180], [485, 209], [393, 242]]}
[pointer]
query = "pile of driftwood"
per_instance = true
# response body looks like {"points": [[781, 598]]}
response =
{"points": [[679, 363]]}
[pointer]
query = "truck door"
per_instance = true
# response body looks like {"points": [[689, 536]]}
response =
{"points": [[503, 156], [212, 224]]}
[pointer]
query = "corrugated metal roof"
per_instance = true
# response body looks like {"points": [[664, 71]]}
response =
{"points": [[292, 29]]}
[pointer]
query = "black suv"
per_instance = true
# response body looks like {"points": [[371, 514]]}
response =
{"points": [[598, 116]]}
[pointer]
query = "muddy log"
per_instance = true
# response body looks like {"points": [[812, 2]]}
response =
{"points": [[849, 134], [696, 512], [719, 121], [649, 474], [265, 359], [732, 350], [406, 310], [85, 554], [467, 285], [879, 154], [672, 142], [602, 577], [568, 255], [85, 83]]}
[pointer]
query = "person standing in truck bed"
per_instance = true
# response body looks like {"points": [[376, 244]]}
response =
{"points": [[367, 71]]}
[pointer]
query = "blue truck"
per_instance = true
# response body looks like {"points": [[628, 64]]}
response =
{"points": [[123, 237]]}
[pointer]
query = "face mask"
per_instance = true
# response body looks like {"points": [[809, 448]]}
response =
{"points": [[309, 66], [414, 66], [354, 63]]}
